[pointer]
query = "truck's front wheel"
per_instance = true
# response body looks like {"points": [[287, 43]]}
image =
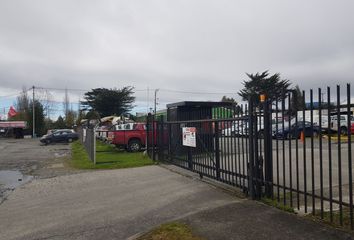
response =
{"points": [[134, 145]]}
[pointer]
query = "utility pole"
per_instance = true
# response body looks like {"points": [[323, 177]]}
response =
{"points": [[155, 103], [33, 116], [66, 104]]}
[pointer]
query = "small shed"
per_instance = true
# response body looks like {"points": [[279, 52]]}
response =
{"points": [[195, 110]]}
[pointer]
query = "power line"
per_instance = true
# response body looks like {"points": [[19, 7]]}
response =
{"points": [[14, 94], [192, 92], [63, 89], [78, 89]]}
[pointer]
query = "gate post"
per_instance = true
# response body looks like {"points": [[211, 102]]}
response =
{"points": [[153, 136], [268, 151], [148, 135], [160, 139], [251, 173], [217, 150]]}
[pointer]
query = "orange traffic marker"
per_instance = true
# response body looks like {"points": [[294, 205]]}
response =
{"points": [[302, 136]]}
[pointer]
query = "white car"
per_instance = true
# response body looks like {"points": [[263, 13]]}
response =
{"points": [[343, 127]]}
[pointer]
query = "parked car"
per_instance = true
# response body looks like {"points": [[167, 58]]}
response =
{"points": [[232, 130], [131, 136], [66, 135], [343, 127], [51, 131], [352, 129], [295, 131]]}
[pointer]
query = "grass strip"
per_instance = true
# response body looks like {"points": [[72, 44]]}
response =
{"points": [[170, 231], [107, 157]]}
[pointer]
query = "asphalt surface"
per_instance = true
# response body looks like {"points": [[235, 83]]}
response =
{"points": [[293, 166], [121, 204]]}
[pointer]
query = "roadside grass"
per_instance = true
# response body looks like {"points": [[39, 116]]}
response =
{"points": [[276, 204], [107, 157], [170, 231], [316, 216], [335, 218]]}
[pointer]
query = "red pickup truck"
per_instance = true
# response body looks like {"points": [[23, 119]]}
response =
{"points": [[131, 136]]}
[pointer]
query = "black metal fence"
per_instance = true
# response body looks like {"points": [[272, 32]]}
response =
{"points": [[297, 153], [87, 137]]}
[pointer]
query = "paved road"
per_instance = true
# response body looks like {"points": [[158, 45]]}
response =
{"points": [[290, 166], [118, 204], [111, 204]]}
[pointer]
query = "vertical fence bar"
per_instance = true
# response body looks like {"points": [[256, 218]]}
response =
{"points": [[290, 156], [268, 161], [349, 122], [283, 145], [297, 151], [320, 147], [304, 154], [257, 156], [161, 146], [217, 151], [148, 121], [239, 151], [169, 129], [277, 145], [251, 150], [339, 158], [329, 154], [153, 136], [243, 149], [230, 170], [312, 154]]}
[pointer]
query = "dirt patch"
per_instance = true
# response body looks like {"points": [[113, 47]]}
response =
{"points": [[30, 158]]}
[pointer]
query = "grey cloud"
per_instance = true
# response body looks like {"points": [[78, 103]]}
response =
{"points": [[183, 45]]}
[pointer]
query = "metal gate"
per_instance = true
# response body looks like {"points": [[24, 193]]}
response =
{"points": [[295, 150]]}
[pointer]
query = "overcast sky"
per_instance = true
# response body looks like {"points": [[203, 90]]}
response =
{"points": [[193, 46]]}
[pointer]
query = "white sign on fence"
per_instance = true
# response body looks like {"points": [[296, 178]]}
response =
{"points": [[189, 136]]}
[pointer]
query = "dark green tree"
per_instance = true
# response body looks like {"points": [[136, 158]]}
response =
{"points": [[49, 124], [108, 102], [70, 118], [237, 108], [39, 118], [263, 83], [297, 101], [92, 115], [59, 123], [228, 99]]}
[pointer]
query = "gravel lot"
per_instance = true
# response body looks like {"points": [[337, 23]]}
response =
{"points": [[22, 160], [32, 158]]}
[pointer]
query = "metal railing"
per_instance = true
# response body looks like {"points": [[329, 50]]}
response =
{"points": [[298, 156], [87, 137]]}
